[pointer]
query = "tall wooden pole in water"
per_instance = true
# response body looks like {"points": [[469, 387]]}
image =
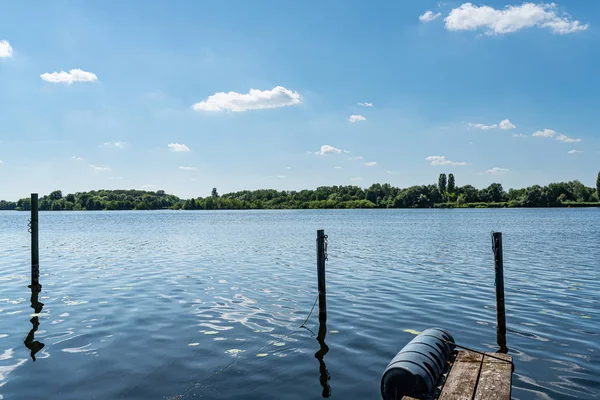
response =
{"points": [[35, 254], [321, 257], [500, 310]]}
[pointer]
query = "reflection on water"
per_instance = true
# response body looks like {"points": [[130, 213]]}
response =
{"points": [[140, 304], [34, 345], [324, 376]]}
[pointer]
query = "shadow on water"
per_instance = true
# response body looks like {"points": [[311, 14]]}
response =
{"points": [[34, 345], [324, 376]]}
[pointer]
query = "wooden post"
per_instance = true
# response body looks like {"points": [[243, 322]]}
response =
{"points": [[500, 310], [321, 257], [35, 253]]}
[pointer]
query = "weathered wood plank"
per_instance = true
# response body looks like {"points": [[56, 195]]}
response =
{"points": [[495, 378], [474, 377], [462, 378]]}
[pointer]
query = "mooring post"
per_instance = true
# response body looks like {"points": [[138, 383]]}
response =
{"points": [[500, 309], [35, 253], [321, 257]]}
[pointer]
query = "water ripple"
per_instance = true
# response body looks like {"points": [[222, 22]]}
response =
{"points": [[207, 304]]}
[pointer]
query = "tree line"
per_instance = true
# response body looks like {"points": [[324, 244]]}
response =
{"points": [[98, 200], [446, 194]]}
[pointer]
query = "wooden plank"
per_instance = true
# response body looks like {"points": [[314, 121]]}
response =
{"points": [[470, 378], [495, 378], [462, 379]]}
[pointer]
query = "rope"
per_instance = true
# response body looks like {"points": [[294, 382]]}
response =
{"points": [[309, 314], [199, 383]]}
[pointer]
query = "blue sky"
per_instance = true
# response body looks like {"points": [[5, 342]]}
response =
{"points": [[93, 93]]}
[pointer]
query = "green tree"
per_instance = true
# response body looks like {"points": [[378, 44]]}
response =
{"points": [[422, 201], [495, 192], [442, 183], [90, 204], [214, 193], [56, 195], [470, 193], [451, 183], [189, 204], [57, 205], [533, 196], [7, 205], [434, 195], [598, 185], [371, 196], [580, 191], [24, 204]]}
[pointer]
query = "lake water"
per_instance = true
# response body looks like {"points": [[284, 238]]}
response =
{"points": [[181, 305]]}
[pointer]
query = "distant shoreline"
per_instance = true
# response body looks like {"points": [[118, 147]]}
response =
{"points": [[443, 195], [437, 207]]}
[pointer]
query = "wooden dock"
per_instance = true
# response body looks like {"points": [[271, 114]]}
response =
{"points": [[475, 377]]}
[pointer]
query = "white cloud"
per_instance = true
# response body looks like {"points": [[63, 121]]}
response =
{"points": [[370, 163], [116, 177], [506, 124], [497, 171], [389, 172], [337, 167], [281, 176], [356, 179], [356, 118], [6, 49], [188, 168], [428, 16], [74, 75], [441, 160], [119, 145], [356, 158], [566, 139], [328, 150], [575, 151], [469, 17], [288, 167], [519, 135], [177, 147], [75, 158], [365, 104], [99, 168], [547, 133], [253, 100], [1, 162], [482, 126]]}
